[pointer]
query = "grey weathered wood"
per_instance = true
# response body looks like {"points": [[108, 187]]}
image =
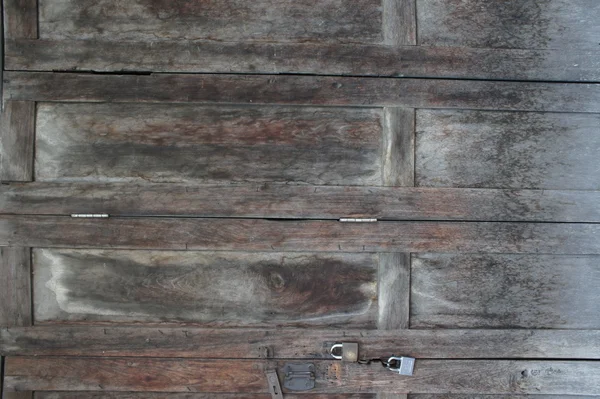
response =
{"points": [[392, 396], [504, 291], [18, 395], [190, 143], [394, 291], [316, 236], [507, 150], [225, 20], [150, 395], [15, 287], [484, 396], [530, 24], [218, 376], [20, 19], [399, 22], [207, 288], [17, 126], [273, 58], [188, 341], [300, 201], [399, 147], [303, 90]]}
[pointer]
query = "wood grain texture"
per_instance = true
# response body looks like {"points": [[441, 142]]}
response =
{"points": [[229, 20], [150, 395], [18, 395], [504, 291], [20, 19], [394, 291], [274, 58], [530, 24], [190, 375], [313, 236], [507, 150], [484, 396], [17, 126], [225, 289], [303, 90], [399, 147], [300, 201], [290, 343], [399, 22], [190, 143], [15, 287]]}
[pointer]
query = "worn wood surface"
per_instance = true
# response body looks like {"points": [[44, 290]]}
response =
{"points": [[399, 22], [314, 236], [18, 395], [187, 143], [529, 24], [15, 287], [504, 291], [150, 395], [394, 291], [188, 341], [248, 376], [303, 90], [219, 289], [17, 130], [304, 202], [20, 19], [507, 150], [228, 20], [399, 147], [566, 64], [484, 396]]}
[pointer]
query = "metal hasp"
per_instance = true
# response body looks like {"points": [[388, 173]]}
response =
{"points": [[349, 352], [299, 376], [274, 387], [403, 365]]}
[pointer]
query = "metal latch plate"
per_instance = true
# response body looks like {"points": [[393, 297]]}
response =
{"points": [[299, 376], [274, 387]]}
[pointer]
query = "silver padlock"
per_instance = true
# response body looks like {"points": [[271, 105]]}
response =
{"points": [[349, 352], [406, 365]]}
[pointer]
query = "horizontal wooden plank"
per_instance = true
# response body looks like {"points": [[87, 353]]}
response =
{"points": [[150, 395], [191, 143], [484, 396], [248, 376], [314, 236], [304, 202], [532, 24], [507, 150], [247, 343], [303, 90], [504, 291], [206, 288], [226, 20], [273, 58]]}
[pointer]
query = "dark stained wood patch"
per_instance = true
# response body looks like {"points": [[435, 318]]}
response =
{"points": [[220, 21], [20, 19], [218, 289], [17, 125], [184, 143], [504, 291], [15, 287], [508, 150], [527, 24]]}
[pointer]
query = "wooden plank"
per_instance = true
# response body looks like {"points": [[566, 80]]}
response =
{"points": [[223, 21], [399, 147], [245, 343], [303, 90], [314, 236], [507, 150], [532, 25], [16, 141], [484, 396], [247, 376], [150, 395], [394, 291], [213, 144], [274, 58], [504, 291], [224, 289], [20, 19], [399, 22], [304, 202], [18, 395], [15, 287]]}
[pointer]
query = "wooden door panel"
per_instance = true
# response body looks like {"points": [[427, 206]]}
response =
{"points": [[224, 289]]}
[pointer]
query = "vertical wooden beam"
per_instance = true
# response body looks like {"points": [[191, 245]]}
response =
{"points": [[394, 291], [399, 147], [17, 141], [15, 287], [20, 19], [400, 22]]}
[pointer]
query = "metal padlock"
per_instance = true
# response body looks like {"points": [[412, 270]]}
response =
{"points": [[406, 365], [349, 352]]}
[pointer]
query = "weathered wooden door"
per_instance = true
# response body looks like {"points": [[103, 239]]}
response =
{"points": [[195, 193]]}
